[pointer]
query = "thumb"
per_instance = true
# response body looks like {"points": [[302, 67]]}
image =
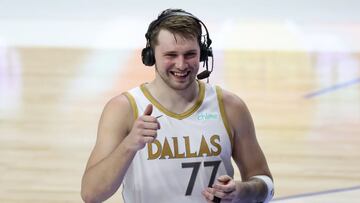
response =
{"points": [[148, 110], [224, 178]]}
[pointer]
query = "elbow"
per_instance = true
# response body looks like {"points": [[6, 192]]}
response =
{"points": [[87, 195], [93, 192]]}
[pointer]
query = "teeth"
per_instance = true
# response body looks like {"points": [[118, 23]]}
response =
{"points": [[180, 74]]}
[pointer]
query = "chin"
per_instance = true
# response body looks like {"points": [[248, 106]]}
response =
{"points": [[181, 85]]}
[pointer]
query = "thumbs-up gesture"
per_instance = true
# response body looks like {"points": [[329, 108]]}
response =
{"points": [[144, 130]]}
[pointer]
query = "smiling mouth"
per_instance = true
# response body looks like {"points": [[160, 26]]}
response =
{"points": [[180, 74]]}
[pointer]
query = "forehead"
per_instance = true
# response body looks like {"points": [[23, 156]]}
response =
{"points": [[166, 39]]}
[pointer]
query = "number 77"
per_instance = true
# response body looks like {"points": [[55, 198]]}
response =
{"points": [[196, 166]]}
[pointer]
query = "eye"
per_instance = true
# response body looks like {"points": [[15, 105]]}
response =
{"points": [[190, 55], [170, 55]]}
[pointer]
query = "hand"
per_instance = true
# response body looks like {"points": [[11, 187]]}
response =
{"points": [[224, 188], [144, 130]]}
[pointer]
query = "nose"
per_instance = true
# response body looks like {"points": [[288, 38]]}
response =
{"points": [[181, 62]]}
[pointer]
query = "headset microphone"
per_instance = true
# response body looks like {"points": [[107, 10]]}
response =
{"points": [[203, 75], [206, 73]]}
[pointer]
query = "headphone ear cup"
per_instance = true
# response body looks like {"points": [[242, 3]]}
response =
{"points": [[147, 56]]}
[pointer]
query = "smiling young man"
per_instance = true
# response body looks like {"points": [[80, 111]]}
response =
{"points": [[172, 139]]}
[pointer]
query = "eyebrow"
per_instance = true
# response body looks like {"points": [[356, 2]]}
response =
{"points": [[175, 52]]}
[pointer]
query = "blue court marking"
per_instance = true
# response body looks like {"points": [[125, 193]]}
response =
{"points": [[332, 88], [317, 193]]}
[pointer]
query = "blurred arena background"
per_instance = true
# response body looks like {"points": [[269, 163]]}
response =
{"points": [[295, 63]]}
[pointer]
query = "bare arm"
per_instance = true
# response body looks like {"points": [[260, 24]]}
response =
{"points": [[247, 153], [118, 140]]}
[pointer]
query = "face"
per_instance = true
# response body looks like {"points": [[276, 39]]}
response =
{"points": [[177, 60]]}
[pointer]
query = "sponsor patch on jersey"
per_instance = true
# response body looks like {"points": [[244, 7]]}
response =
{"points": [[207, 116]]}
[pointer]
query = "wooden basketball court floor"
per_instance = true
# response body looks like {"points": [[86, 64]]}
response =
{"points": [[306, 108], [305, 105]]}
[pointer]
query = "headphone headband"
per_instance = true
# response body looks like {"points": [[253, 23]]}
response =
{"points": [[175, 12]]}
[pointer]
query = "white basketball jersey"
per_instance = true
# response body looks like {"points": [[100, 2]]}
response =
{"points": [[191, 150]]}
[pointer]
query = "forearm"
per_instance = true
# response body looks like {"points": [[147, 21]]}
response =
{"points": [[103, 179], [253, 190]]}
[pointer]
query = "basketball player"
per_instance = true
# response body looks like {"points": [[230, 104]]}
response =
{"points": [[172, 139]]}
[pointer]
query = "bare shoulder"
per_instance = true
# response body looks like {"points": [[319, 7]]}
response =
{"points": [[117, 116], [115, 122], [233, 103], [236, 111], [118, 106]]}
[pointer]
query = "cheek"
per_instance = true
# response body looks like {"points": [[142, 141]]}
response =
{"points": [[164, 66], [163, 63], [168, 63], [194, 64]]}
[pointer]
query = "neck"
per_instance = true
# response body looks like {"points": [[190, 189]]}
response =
{"points": [[178, 101]]}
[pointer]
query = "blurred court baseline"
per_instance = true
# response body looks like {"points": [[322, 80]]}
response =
{"points": [[325, 192], [332, 88]]}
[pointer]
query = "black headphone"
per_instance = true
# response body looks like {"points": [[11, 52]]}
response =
{"points": [[148, 56]]}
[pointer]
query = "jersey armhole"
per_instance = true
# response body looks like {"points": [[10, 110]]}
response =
{"points": [[133, 104], [224, 118]]}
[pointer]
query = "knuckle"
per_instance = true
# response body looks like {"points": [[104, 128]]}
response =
{"points": [[138, 140], [142, 132], [137, 124], [149, 139], [141, 125]]}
